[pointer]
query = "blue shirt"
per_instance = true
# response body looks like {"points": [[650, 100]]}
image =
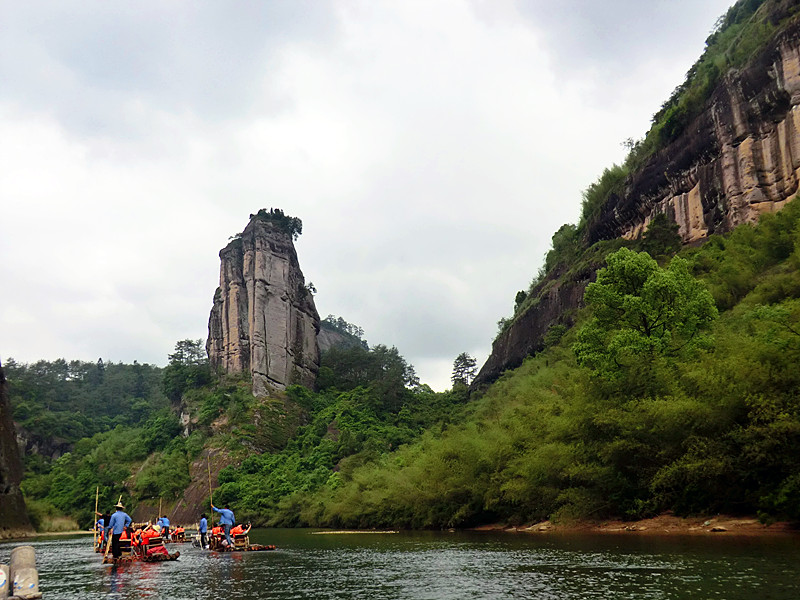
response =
{"points": [[165, 521], [226, 517], [118, 522], [203, 525], [100, 524]]}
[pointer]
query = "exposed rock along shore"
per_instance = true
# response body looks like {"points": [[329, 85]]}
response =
{"points": [[666, 524]]}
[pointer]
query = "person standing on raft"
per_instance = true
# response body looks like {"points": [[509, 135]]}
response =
{"points": [[165, 529], [116, 525], [202, 528], [226, 519]]}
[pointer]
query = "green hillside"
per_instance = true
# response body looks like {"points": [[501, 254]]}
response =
{"points": [[676, 390], [703, 427]]}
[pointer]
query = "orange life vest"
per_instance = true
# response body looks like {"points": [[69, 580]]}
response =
{"points": [[147, 534]]}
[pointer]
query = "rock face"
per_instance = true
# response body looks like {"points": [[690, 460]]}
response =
{"points": [[13, 518], [526, 335], [330, 337], [740, 158], [264, 320]]}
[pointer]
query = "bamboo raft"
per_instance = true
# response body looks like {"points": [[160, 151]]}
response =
{"points": [[241, 543], [110, 560], [131, 554]]}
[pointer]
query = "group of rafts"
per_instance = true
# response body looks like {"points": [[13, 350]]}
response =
{"points": [[146, 542]]}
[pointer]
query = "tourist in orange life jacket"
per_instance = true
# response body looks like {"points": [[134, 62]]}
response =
{"points": [[136, 541], [218, 538], [147, 533]]}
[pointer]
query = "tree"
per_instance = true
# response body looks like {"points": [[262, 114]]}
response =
{"points": [[188, 368], [661, 237], [565, 247], [381, 369], [189, 352], [641, 311], [464, 369], [519, 299]]}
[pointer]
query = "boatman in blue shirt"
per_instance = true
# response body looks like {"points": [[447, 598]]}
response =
{"points": [[202, 527], [226, 519], [116, 525], [165, 528]]}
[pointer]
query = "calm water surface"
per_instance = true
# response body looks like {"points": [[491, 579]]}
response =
{"points": [[435, 566]]}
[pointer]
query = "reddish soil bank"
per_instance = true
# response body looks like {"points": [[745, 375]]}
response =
{"points": [[666, 524]]}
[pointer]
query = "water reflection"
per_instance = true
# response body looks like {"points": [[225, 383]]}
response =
{"points": [[435, 566]]}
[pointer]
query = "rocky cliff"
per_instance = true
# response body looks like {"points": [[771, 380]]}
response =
{"points": [[557, 302], [263, 320], [13, 518], [739, 158]]}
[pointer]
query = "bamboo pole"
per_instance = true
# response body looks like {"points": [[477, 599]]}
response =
{"points": [[94, 527], [210, 493], [158, 516]]}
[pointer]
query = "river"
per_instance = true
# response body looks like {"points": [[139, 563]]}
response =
{"points": [[436, 566]]}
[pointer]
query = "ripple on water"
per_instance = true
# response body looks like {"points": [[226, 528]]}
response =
{"points": [[426, 566]]}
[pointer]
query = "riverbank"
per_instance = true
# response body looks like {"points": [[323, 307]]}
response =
{"points": [[666, 524], [24, 534]]}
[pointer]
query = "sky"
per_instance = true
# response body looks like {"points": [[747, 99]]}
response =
{"points": [[430, 147]]}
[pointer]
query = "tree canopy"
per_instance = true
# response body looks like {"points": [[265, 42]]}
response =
{"points": [[291, 225], [641, 310], [465, 368]]}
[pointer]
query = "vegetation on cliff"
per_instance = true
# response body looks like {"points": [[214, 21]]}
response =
{"points": [[738, 36], [291, 225], [711, 428]]}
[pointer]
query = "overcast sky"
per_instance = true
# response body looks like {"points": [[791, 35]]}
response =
{"points": [[431, 148]]}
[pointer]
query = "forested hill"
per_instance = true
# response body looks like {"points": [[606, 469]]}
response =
{"points": [[56, 403]]}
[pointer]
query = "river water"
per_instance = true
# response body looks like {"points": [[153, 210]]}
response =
{"points": [[436, 566]]}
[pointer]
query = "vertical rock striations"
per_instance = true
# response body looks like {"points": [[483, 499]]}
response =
{"points": [[740, 157], [264, 320], [13, 518]]}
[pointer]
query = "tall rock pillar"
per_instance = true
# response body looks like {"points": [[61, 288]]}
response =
{"points": [[264, 319]]}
